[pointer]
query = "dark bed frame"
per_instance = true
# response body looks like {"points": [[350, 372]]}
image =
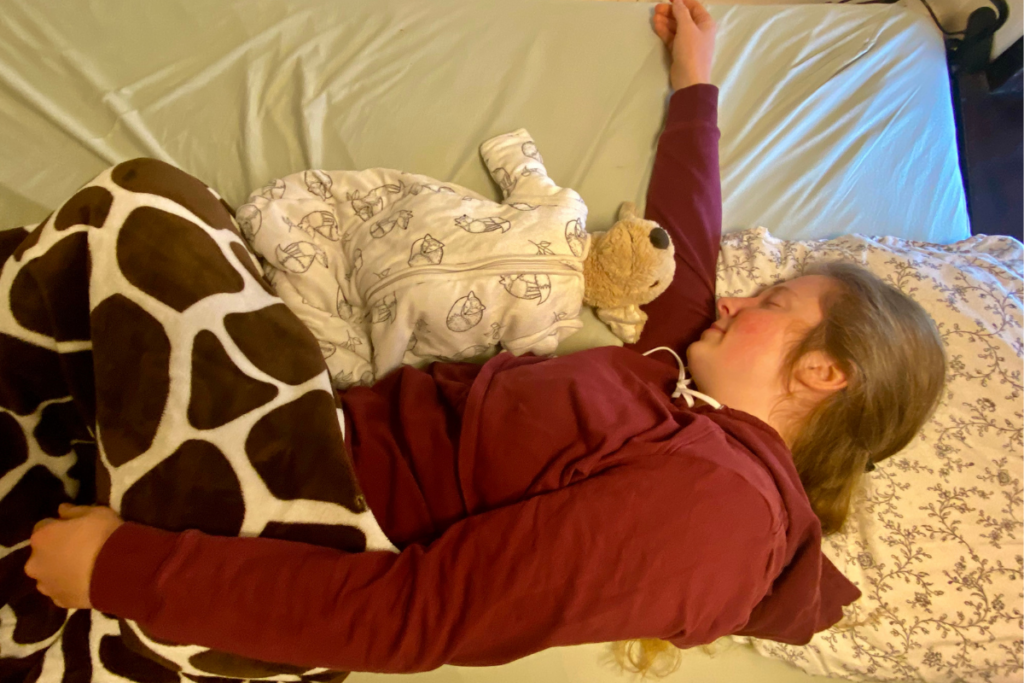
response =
{"points": [[987, 107]]}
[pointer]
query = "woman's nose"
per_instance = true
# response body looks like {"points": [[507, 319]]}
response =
{"points": [[729, 306]]}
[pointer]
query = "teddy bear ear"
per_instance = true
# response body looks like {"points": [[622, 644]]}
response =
{"points": [[627, 211]]}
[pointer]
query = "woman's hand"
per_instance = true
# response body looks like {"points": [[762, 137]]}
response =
{"points": [[688, 31], [64, 552]]}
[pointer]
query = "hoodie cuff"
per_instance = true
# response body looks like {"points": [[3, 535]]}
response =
{"points": [[837, 592], [126, 573], [695, 104]]}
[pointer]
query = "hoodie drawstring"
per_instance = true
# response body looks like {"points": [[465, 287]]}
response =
{"points": [[682, 386]]}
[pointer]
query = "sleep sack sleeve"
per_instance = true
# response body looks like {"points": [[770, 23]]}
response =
{"points": [[684, 560], [518, 168], [685, 198]]}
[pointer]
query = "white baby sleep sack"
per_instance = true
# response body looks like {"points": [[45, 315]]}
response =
{"points": [[389, 268]]}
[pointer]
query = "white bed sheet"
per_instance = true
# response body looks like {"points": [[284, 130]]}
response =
{"points": [[837, 120], [834, 119]]}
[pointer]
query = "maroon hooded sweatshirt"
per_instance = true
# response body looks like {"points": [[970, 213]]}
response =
{"points": [[537, 502]]}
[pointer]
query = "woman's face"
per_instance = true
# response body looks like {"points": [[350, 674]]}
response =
{"points": [[738, 360]]}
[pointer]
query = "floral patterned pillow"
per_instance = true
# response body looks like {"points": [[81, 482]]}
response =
{"points": [[934, 542]]}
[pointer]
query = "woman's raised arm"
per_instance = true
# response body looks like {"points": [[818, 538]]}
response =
{"points": [[685, 193]]}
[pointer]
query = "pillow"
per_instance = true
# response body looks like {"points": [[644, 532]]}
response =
{"points": [[934, 541]]}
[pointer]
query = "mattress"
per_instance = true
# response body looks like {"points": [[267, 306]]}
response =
{"points": [[834, 120]]}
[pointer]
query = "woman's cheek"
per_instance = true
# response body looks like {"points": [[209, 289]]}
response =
{"points": [[742, 338], [756, 338]]}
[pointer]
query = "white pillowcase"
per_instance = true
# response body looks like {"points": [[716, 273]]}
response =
{"points": [[934, 542]]}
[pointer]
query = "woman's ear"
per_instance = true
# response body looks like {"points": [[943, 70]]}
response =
{"points": [[819, 373]]}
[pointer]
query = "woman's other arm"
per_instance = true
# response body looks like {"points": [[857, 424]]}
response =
{"points": [[612, 557], [685, 195]]}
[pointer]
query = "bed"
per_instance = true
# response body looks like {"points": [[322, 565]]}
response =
{"points": [[835, 120]]}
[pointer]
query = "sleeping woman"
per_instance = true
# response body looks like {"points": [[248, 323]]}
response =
{"points": [[589, 498]]}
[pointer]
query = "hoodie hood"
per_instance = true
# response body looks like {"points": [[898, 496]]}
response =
{"points": [[808, 593]]}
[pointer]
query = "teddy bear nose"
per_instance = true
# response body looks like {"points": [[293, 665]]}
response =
{"points": [[659, 238]]}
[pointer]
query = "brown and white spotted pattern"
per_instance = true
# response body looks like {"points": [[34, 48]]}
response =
{"points": [[146, 364]]}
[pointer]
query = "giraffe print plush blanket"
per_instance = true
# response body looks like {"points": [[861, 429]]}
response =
{"points": [[145, 364]]}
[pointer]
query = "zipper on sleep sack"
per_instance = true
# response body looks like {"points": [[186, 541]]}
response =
{"points": [[511, 266]]}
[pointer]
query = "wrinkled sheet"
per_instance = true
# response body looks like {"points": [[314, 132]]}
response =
{"points": [[834, 119]]}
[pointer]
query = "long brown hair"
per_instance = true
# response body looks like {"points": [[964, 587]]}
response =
{"points": [[892, 355]]}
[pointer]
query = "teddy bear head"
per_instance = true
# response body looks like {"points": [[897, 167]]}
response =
{"points": [[631, 264]]}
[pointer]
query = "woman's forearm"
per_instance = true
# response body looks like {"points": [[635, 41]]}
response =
{"points": [[685, 193], [685, 198], [553, 569]]}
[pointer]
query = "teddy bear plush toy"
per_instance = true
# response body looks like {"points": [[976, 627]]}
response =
{"points": [[628, 266]]}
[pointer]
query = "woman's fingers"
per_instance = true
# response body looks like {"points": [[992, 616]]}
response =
{"points": [[69, 511], [663, 12], [66, 511], [681, 11], [664, 23], [664, 31], [41, 523], [697, 12]]}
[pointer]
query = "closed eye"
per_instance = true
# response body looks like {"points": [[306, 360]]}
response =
{"points": [[656, 283], [773, 295]]}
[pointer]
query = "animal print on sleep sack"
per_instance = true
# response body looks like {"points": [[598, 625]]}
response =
{"points": [[146, 364], [389, 268]]}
